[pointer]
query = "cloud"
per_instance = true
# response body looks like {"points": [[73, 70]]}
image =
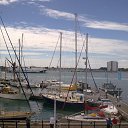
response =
{"points": [[107, 25], [37, 2], [40, 0], [57, 14], [87, 22], [6, 2], [38, 41]]}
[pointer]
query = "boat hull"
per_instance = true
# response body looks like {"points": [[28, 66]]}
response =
{"points": [[15, 114], [15, 96], [72, 106]]}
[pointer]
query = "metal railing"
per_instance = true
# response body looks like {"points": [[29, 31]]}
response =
{"points": [[59, 124]]}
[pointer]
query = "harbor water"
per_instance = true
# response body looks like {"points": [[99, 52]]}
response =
{"points": [[120, 80]]}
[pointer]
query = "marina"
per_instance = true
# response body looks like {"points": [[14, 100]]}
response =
{"points": [[23, 105], [43, 113], [48, 79]]}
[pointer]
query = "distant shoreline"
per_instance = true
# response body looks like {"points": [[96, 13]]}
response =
{"points": [[102, 69]]}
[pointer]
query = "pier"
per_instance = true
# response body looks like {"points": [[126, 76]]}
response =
{"points": [[120, 105]]}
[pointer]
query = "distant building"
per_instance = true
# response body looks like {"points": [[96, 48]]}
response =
{"points": [[112, 66]]}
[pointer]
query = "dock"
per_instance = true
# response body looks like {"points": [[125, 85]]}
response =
{"points": [[120, 105]]}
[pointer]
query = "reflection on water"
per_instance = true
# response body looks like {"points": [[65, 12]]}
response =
{"points": [[12, 105], [41, 112]]}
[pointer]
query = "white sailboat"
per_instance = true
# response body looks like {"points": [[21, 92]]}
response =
{"points": [[72, 100], [68, 100], [110, 109]]}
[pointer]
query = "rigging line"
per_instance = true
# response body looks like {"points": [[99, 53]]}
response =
{"points": [[19, 80], [6, 44], [92, 76], [20, 85], [7, 47], [80, 29], [7, 62], [24, 66], [92, 73], [22, 57], [58, 62], [22, 46], [54, 52], [74, 73], [10, 42], [18, 62]]}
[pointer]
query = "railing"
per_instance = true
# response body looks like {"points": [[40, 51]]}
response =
{"points": [[59, 124]]}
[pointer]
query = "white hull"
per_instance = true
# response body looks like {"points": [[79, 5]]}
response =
{"points": [[15, 96], [15, 114], [24, 84], [111, 109], [80, 117]]}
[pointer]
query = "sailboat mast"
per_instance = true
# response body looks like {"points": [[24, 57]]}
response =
{"points": [[60, 56], [22, 39], [5, 69], [19, 57], [86, 62], [75, 48]]}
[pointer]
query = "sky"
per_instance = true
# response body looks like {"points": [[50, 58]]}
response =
{"points": [[41, 21]]}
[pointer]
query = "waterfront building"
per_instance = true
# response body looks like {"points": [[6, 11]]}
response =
{"points": [[112, 66]]}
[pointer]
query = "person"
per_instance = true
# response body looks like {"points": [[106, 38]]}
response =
{"points": [[114, 122], [52, 122], [109, 122]]}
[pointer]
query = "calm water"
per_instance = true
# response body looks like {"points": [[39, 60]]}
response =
{"points": [[45, 113]]}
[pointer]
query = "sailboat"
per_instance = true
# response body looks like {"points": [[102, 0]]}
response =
{"points": [[96, 112], [74, 100], [68, 100]]}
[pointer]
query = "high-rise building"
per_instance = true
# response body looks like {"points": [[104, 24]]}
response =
{"points": [[112, 66]]}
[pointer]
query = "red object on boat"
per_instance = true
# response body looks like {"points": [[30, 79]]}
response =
{"points": [[103, 106], [101, 114], [87, 107], [92, 107]]}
